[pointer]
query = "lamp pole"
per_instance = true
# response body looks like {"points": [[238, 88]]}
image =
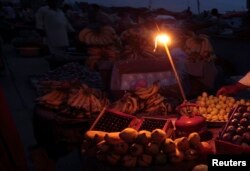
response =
{"points": [[175, 71]]}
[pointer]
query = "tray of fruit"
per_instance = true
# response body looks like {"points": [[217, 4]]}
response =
{"points": [[217, 108], [130, 148], [235, 135]]}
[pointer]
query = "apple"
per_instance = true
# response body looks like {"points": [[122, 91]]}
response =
{"points": [[237, 139], [240, 130], [237, 115], [244, 122], [227, 137], [246, 115], [231, 129], [241, 109], [246, 137], [234, 122], [248, 128]]}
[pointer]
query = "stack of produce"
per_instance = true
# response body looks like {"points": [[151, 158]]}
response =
{"points": [[237, 130], [98, 54], [99, 36], [143, 100], [101, 42], [216, 109], [68, 72], [80, 101], [135, 45], [143, 148], [199, 48]]}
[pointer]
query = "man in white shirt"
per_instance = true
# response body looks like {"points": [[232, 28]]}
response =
{"points": [[51, 21], [232, 89]]}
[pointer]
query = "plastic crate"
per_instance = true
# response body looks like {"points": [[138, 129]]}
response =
{"points": [[114, 121]]}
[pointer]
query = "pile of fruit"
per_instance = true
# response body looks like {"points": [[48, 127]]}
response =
{"points": [[131, 148], [216, 109], [99, 36], [143, 100], [74, 100], [97, 54], [68, 72], [136, 45], [237, 130]]}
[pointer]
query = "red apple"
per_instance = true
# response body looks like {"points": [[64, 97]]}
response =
{"points": [[234, 122], [246, 115], [244, 122], [240, 130], [231, 129], [237, 115], [227, 137], [237, 139]]}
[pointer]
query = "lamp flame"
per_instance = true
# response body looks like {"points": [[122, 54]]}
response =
{"points": [[163, 39]]}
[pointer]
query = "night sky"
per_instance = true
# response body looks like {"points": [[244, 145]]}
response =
{"points": [[176, 5]]}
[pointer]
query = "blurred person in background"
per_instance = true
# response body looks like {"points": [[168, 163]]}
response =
{"points": [[10, 13], [233, 89], [52, 23]]}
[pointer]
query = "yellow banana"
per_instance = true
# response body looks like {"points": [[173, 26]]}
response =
{"points": [[152, 90]]}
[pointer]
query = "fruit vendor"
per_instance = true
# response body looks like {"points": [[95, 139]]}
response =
{"points": [[232, 89]]}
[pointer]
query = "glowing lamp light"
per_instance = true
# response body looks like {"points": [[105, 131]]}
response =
{"points": [[165, 40]]}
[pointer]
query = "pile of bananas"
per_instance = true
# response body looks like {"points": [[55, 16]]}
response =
{"points": [[143, 100], [79, 101], [135, 45], [101, 36], [54, 99], [216, 109], [85, 102], [97, 54], [131, 148], [198, 47]]}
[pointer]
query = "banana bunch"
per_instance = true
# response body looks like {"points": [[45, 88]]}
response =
{"points": [[78, 101], [131, 148], [86, 101], [96, 54], [127, 104], [136, 45], [151, 101], [53, 99], [146, 93], [143, 100], [102, 36], [155, 103], [131, 52]]}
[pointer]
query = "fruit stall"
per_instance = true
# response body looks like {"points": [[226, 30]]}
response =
{"points": [[140, 117]]}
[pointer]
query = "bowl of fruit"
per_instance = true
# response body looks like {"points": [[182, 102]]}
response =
{"points": [[216, 109]]}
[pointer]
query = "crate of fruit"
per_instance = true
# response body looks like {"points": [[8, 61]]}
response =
{"points": [[235, 135], [112, 121]]}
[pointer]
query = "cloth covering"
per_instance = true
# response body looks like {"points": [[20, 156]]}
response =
{"points": [[205, 71], [12, 156]]}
